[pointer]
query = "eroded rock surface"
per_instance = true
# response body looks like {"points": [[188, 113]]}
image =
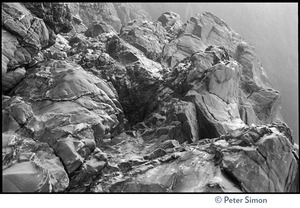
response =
{"points": [[131, 11], [160, 107], [23, 36], [147, 36], [251, 159], [91, 12]]}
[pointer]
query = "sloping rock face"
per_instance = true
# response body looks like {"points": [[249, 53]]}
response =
{"points": [[147, 36], [87, 13], [172, 22], [205, 29], [68, 109], [97, 28], [252, 159], [56, 15], [131, 11], [31, 166], [24, 35], [161, 107]]}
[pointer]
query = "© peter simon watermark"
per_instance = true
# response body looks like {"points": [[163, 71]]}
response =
{"points": [[241, 200]]}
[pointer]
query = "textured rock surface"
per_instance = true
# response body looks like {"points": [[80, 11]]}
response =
{"points": [[98, 28], [23, 35], [56, 15], [73, 111], [172, 22], [99, 12], [161, 107], [30, 166], [137, 79], [241, 161], [130, 11], [147, 36]]}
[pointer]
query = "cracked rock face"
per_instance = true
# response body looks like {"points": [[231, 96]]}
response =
{"points": [[23, 35], [56, 15], [91, 12], [161, 107], [171, 22], [241, 161], [31, 166], [131, 11], [147, 36], [73, 110]]}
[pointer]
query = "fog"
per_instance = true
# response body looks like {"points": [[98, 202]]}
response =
{"points": [[273, 30]]}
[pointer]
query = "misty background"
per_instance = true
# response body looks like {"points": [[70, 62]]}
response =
{"points": [[272, 28]]}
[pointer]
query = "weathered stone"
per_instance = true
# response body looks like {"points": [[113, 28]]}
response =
{"points": [[136, 82], [31, 166], [98, 28], [172, 22], [220, 165], [269, 161], [194, 117], [23, 36], [72, 114], [131, 11], [102, 12], [12, 78], [181, 48], [56, 15], [149, 37]]}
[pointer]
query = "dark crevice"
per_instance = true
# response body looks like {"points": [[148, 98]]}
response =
{"points": [[228, 174], [206, 129]]}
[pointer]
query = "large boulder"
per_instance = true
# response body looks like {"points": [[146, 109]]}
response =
{"points": [[12, 78], [58, 51], [269, 158], [181, 48], [172, 22], [73, 110], [23, 36], [149, 37], [31, 166], [135, 77], [77, 23], [56, 15], [98, 28]]}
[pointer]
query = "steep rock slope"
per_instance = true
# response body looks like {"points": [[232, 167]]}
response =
{"points": [[161, 107]]}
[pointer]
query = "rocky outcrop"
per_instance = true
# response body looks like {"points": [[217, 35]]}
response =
{"points": [[137, 79], [57, 16], [72, 112], [131, 11], [244, 160], [95, 12], [98, 28], [147, 36], [205, 29], [30, 166], [181, 48], [24, 35], [172, 22], [161, 107]]}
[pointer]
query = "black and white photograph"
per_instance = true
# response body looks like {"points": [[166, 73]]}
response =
{"points": [[151, 98]]}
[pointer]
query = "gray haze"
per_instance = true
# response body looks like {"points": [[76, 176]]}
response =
{"points": [[273, 30]]}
